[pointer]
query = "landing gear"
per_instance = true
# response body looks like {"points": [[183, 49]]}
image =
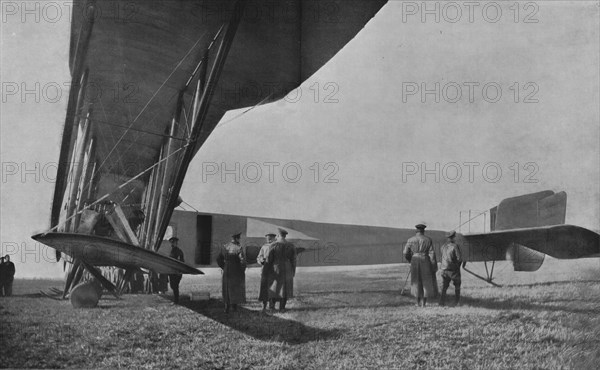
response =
{"points": [[488, 272]]}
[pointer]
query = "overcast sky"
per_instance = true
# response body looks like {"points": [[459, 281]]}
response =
{"points": [[361, 119]]}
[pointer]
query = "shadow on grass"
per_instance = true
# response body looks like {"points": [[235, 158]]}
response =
{"points": [[348, 291], [355, 299], [267, 327]]}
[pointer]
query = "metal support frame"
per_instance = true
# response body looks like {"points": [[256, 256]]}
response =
{"points": [[170, 164], [84, 181], [76, 96], [203, 105], [106, 284], [489, 279], [77, 169]]}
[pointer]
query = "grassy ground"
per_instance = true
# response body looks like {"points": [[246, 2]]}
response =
{"points": [[352, 318]]}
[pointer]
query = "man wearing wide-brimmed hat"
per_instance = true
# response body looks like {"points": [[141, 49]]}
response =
{"points": [[263, 293], [282, 257], [232, 259], [423, 265], [451, 260]]}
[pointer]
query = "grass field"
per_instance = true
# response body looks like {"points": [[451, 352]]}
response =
{"points": [[345, 318]]}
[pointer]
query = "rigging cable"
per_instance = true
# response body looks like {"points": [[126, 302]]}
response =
{"points": [[153, 96]]}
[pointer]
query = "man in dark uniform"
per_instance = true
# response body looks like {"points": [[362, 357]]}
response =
{"points": [[451, 260], [175, 279], [232, 259], [261, 259], [8, 275], [423, 265], [282, 257], [2, 276]]}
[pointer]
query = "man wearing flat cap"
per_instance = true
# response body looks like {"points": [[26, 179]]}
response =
{"points": [[282, 259], [451, 261], [175, 279], [263, 293], [232, 259], [423, 265]]}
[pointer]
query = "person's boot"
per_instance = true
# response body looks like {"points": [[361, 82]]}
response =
{"points": [[457, 296], [282, 305], [418, 301], [443, 298], [272, 304], [424, 302]]}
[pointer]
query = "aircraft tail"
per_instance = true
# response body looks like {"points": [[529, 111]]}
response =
{"points": [[544, 208], [535, 210]]}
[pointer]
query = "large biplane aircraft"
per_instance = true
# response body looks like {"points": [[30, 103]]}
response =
{"points": [[150, 82]]}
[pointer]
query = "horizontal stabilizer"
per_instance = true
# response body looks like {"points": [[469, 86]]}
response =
{"points": [[559, 241], [531, 210]]}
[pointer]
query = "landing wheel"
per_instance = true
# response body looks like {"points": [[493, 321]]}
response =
{"points": [[86, 295]]}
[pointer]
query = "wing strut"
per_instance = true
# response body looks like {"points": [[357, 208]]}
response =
{"points": [[106, 284], [76, 97], [203, 105]]}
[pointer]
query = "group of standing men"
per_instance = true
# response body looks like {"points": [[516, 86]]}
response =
{"points": [[278, 260], [420, 253], [7, 275]]}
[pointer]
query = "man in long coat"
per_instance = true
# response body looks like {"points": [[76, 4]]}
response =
{"points": [[232, 259], [263, 293], [282, 257], [423, 265], [3, 271], [9, 276]]}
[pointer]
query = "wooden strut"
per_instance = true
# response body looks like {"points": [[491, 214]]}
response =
{"points": [[76, 96], [106, 284], [83, 142], [203, 105], [152, 196], [86, 175], [154, 203], [67, 168], [169, 167], [70, 276]]}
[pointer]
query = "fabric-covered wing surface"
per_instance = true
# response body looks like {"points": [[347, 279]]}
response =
{"points": [[130, 107]]}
